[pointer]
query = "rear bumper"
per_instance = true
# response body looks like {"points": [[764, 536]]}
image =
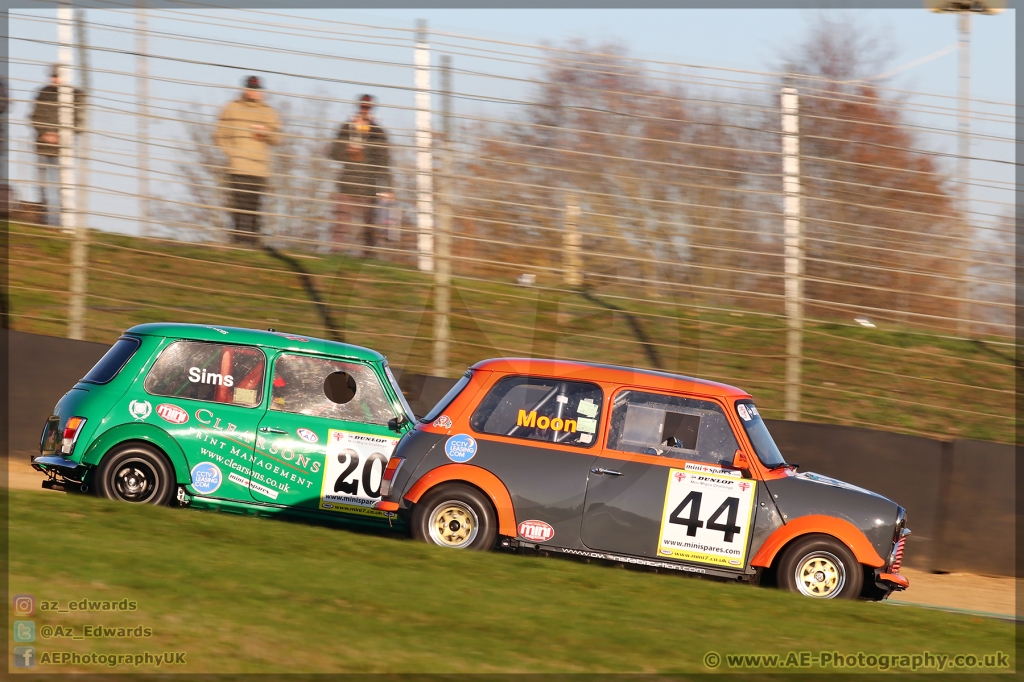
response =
{"points": [[54, 465]]}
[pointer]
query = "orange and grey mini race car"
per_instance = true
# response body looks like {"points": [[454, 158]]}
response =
{"points": [[637, 467]]}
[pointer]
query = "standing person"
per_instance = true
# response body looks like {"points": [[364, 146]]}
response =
{"points": [[362, 146], [46, 121], [247, 129]]}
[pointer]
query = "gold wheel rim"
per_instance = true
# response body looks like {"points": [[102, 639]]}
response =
{"points": [[820, 575], [453, 524]]}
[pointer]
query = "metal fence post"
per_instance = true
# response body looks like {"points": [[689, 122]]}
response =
{"points": [[142, 105], [424, 157], [442, 263], [963, 171], [80, 241], [572, 243], [66, 117], [793, 249]]}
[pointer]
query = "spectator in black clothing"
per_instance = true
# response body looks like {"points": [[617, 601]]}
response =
{"points": [[362, 146], [46, 120]]}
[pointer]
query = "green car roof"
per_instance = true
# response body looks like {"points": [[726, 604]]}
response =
{"points": [[255, 337]]}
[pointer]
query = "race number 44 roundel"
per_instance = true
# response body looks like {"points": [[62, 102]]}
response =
{"points": [[706, 518]]}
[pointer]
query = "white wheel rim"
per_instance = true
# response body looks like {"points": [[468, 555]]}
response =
{"points": [[453, 524], [820, 575]]}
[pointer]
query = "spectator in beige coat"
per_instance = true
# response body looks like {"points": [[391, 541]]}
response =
{"points": [[247, 129]]}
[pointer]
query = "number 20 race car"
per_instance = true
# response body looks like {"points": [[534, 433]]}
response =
{"points": [[233, 419], [637, 467]]}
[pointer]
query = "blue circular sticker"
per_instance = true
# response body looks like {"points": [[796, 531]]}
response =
{"points": [[206, 477], [460, 448]]}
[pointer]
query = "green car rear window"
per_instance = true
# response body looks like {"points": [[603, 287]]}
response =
{"points": [[113, 361]]}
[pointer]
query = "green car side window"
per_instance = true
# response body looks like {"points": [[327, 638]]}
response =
{"points": [[213, 372], [334, 389]]}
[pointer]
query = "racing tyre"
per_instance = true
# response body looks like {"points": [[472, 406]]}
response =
{"points": [[457, 516], [135, 473], [821, 567]]}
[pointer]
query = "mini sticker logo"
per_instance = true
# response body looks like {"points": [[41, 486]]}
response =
{"points": [[307, 435], [537, 531], [140, 409], [206, 477], [172, 413], [734, 562], [443, 422], [744, 414], [460, 448], [667, 552]]}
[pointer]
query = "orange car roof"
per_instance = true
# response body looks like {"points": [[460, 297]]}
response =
{"points": [[610, 373]]}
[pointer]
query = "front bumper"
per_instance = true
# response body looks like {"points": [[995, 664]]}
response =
{"points": [[896, 581]]}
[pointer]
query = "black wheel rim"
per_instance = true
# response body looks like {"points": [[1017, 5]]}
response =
{"points": [[134, 480]]}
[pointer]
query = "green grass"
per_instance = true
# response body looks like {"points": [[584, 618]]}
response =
{"points": [[246, 595], [892, 378]]}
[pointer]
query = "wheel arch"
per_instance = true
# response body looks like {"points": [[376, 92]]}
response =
{"points": [[144, 433], [481, 479], [816, 524]]}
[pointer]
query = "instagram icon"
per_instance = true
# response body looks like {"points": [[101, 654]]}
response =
{"points": [[24, 604]]}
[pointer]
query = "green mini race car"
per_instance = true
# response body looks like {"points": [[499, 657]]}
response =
{"points": [[229, 418]]}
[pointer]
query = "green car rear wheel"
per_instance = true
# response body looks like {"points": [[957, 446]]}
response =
{"points": [[135, 473]]}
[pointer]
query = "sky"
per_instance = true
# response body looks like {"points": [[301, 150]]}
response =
{"points": [[339, 66]]}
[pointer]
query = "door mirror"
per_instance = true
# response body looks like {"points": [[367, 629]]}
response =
{"points": [[395, 423], [740, 461]]}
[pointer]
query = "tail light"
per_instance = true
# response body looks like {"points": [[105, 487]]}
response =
{"points": [[387, 479], [72, 428]]}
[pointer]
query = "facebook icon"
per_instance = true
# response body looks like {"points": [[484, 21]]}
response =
{"points": [[24, 656]]}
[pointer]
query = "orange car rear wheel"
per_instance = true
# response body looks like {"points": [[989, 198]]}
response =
{"points": [[457, 516]]}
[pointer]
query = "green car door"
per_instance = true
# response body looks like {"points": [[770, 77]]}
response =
{"points": [[324, 440], [209, 397]]}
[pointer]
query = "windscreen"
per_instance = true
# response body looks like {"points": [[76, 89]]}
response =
{"points": [[112, 361], [401, 396], [764, 445]]}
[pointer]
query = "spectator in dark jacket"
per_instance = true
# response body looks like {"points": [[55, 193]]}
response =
{"points": [[46, 120], [362, 146]]}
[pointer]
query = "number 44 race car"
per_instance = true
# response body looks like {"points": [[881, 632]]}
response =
{"points": [[637, 467]]}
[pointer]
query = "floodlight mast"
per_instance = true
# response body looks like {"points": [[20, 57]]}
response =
{"points": [[964, 9]]}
